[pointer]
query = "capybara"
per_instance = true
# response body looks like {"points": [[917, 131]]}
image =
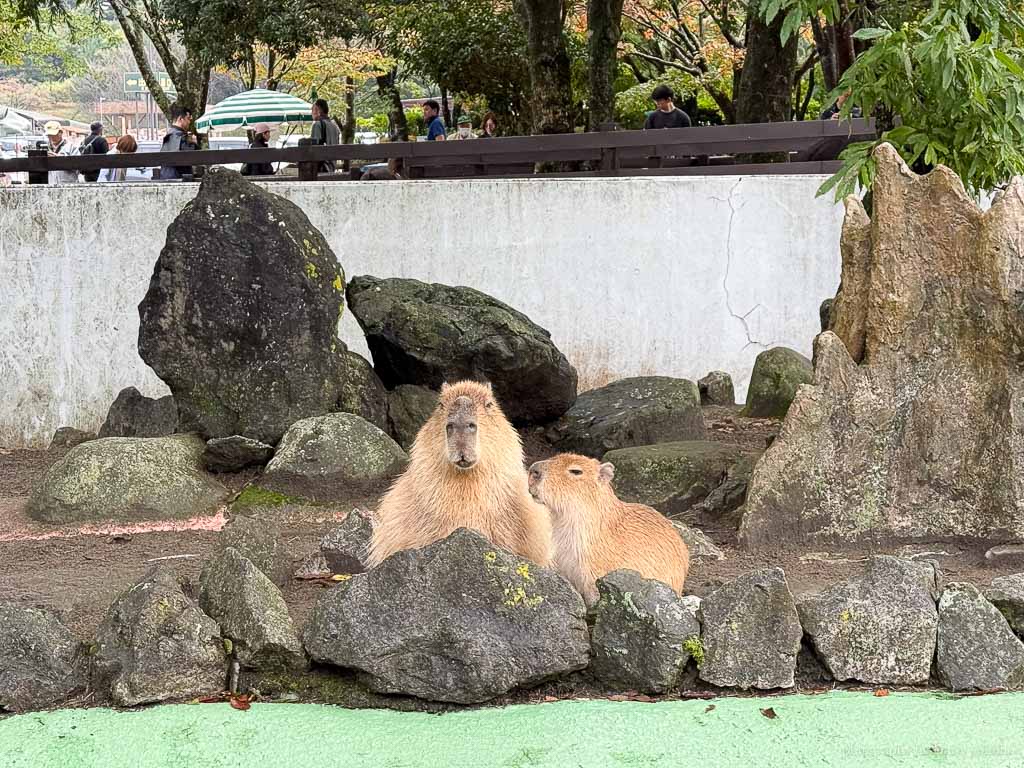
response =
{"points": [[595, 533], [465, 471]]}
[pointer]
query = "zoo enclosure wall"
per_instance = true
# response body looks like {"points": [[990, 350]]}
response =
{"points": [[632, 276]]}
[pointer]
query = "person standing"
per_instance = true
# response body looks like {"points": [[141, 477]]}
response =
{"points": [[489, 127], [126, 145], [464, 129], [325, 131], [667, 115], [260, 140], [431, 116], [96, 144], [58, 146], [178, 139]]}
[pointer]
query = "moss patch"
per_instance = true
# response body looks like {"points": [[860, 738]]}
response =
{"points": [[254, 496]]}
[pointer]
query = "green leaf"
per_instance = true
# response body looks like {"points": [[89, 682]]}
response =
{"points": [[1009, 63], [870, 33], [771, 10]]}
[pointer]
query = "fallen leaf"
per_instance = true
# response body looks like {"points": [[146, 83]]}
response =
{"points": [[341, 577], [240, 702], [618, 697], [881, 692], [550, 698], [769, 713], [643, 697], [709, 708]]}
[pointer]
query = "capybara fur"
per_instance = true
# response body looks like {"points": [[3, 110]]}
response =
{"points": [[595, 533], [465, 471]]}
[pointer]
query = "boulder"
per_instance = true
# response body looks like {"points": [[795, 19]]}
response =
{"points": [[155, 644], [976, 649], [313, 567], [347, 546], [671, 477], [41, 662], [259, 540], [724, 502], [69, 437], [825, 314], [234, 453], [427, 334], [1007, 594], [716, 389], [127, 478], [409, 408], [241, 316], [751, 632], [459, 621], [630, 412], [132, 414], [911, 429], [251, 613], [362, 392], [879, 627], [778, 374], [643, 634], [698, 544], [339, 448]]}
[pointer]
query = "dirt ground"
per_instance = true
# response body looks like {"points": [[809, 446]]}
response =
{"points": [[78, 572]]}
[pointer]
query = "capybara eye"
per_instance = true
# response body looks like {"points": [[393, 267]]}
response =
{"points": [[575, 471], [471, 427], [449, 429], [488, 404]]}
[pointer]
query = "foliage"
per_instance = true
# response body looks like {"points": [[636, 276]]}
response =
{"points": [[56, 48], [378, 123], [417, 124], [955, 79]]}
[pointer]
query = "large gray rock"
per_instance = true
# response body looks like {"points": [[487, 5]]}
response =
{"points": [[41, 662], [778, 374], [259, 540], [409, 408], [339, 447], [716, 389], [346, 547], [132, 414], [251, 613], [231, 454], [362, 391], [459, 620], [241, 315], [427, 334], [723, 504], [643, 634], [69, 437], [128, 478], [697, 542], [155, 644], [638, 411], [1007, 594], [976, 648], [911, 429], [671, 477], [751, 632], [879, 627]]}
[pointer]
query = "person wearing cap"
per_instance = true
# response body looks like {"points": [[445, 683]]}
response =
{"points": [[260, 140], [96, 144], [667, 115], [58, 147], [464, 128]]}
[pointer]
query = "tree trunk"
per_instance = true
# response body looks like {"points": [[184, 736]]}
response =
{"points": [[826, 53], [604, 28], [348, 132], [387, 87], [446, 113], [845, 53], [548, 62], [766, 85]]}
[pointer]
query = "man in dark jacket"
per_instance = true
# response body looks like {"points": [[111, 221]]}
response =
{"points": [[96, 144], [667, 115], [260, 140], [178, 139]]}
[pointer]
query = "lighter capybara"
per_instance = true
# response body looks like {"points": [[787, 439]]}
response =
{"points": [[595, 533], [465, 471]]}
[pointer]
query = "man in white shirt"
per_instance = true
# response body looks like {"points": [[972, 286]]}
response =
{"points": [[59, 147]]}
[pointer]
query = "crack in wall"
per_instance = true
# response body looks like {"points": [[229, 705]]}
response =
{"points": [[751, 342]]}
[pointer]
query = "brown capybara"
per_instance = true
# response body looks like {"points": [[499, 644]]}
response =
{"points": [[465, 471], [595, 533]]}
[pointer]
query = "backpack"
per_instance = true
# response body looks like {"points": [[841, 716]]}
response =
{"points": [[87, 148]]}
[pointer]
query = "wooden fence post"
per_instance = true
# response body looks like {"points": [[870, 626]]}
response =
{"points": [[308, 171], [609, 155]]}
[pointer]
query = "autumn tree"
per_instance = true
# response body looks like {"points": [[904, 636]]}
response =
{"points": [[548, 63]]}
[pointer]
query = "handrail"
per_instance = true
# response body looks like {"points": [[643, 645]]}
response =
{"points": [[701, 141]]}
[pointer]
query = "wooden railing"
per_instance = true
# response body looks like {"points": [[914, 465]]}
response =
{"points": [[804, 147]]}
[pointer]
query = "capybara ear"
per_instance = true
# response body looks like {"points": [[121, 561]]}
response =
{"points": [[607, 472]]}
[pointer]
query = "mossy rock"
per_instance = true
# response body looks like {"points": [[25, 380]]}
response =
{"points": [[778, 373]]}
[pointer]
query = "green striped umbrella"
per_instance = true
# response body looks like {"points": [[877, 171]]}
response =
{"points": [[256, 106]]}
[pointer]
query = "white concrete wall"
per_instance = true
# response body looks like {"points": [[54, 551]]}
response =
{"points": [[674, 276]]}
